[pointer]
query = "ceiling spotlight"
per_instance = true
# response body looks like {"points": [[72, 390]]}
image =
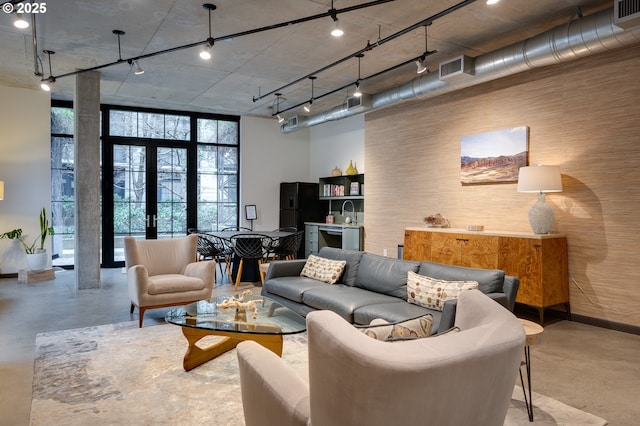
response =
{"points": [[492, 1], [46, 83], [134, 62], [358, 93], [20, 22], [307, 107], [337, 31], [421, 64], [205, 53], [277, 105]]}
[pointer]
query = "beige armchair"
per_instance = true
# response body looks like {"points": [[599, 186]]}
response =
{"points": [[164, 273], [459, 378]]}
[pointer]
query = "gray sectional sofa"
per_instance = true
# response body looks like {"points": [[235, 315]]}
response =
{"points": [[373, 286]]}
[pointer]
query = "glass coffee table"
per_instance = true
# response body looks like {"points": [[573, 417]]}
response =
{"points": [[206, 318]]}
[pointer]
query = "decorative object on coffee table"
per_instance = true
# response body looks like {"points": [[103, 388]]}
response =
{"points": [[240, 303]]}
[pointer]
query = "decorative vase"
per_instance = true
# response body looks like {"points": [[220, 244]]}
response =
{"points": [[37, 261], [351, 170], [336, 171]]}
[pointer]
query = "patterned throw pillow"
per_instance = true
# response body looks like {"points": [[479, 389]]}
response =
{"points": [[432, 293], [410, 329], [322, 269]]}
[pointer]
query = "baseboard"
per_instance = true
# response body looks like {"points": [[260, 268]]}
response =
{"points": [[611, 325], [553, 314], [13, 275]]}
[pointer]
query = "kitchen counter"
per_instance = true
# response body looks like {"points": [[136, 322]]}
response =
{"points": [[337, 225]]}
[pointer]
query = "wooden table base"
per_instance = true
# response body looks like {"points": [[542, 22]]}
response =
{"points": [[196, 355]]}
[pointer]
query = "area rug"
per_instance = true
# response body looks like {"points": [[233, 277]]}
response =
{"points": [[119, 374]]}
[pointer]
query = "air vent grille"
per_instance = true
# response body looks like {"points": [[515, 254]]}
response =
{"points": [[626, 13], [292, 122], [458, 68], [358, 102]]}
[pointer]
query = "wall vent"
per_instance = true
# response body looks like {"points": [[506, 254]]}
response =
{"points": [[626, 13], [456, 69], [292, 121], [354, 103]]}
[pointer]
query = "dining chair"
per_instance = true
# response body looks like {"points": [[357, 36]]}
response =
{"points": [[286, 248], [253, 247], [211, 247]]}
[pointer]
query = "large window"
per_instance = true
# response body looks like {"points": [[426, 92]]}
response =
{"points": [[162, 173]]}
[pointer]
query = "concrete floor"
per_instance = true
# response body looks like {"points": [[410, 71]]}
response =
{"points": [[590, 368]]}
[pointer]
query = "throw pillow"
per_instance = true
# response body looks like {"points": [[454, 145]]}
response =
{"points": [[322, 269], [432, 293], [409, 329]]}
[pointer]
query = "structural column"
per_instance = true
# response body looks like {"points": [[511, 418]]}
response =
{"points": [[86, 106]]}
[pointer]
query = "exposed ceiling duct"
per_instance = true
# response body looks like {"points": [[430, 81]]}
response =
{"points": [[579, 38]]}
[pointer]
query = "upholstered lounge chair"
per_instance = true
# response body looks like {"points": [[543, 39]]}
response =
{"points": [[463, 378], [164, 273]]}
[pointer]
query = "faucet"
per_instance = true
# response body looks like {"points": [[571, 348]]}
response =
{"points": [[353, 209]]}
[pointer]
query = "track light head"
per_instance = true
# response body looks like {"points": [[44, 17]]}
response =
{"points": [[337, 31], [20, 22], [205, 53], [46, 84], [357, 93], [134, 62], [280, 118], [422, 65]]}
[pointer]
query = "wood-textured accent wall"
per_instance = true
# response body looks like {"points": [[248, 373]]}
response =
{"points": [[582, 115]]}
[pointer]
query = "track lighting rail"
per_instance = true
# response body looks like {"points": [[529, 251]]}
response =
{"points": [[370, 46], [351, 84], [329, 13]]}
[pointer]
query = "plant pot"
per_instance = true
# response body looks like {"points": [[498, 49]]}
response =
{"points": [[37, 261]]}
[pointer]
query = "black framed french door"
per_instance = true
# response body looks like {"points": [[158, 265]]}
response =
{"points": [[146, 194]]}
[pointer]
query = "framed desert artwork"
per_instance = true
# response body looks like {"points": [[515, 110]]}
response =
{"points": [[493, 157]]}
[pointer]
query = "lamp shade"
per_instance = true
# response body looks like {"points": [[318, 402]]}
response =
{"points": [[539, 179], [1, 190]]}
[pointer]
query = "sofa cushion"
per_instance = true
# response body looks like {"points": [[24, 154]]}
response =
{"points": [[394, 312], [384, 275], [323, 269], [432, 293], [342, 299], [489, 280], [291, 288], [413, 328], [351, 256]]}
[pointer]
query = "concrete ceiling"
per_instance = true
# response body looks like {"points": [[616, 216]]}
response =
{"points": [[80, 33]]}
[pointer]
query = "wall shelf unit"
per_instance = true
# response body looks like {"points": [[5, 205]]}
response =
{"points": [[342, 187]]}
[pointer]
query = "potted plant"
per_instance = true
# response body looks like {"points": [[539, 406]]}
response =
{"points": [[36, 255]]}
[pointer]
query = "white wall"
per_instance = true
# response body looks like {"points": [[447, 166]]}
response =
{"points": [[25, 168], [268, 157], [335, 144]]}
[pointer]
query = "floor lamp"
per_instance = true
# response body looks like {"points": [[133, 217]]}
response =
{"points": [[540, 179]]}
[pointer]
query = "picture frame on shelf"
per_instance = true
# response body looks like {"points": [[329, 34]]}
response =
{"points": [[354, 188]]}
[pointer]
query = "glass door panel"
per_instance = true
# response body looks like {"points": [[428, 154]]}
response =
{"points": [[129, 195], [171, 192]]}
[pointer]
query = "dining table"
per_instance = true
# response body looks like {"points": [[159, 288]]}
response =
{"points": [[250, 270]]}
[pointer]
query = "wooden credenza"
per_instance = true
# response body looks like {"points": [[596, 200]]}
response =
{"points": [[539, 261]]}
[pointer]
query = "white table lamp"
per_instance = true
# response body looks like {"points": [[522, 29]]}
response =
{"points": [[540, 179]]}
